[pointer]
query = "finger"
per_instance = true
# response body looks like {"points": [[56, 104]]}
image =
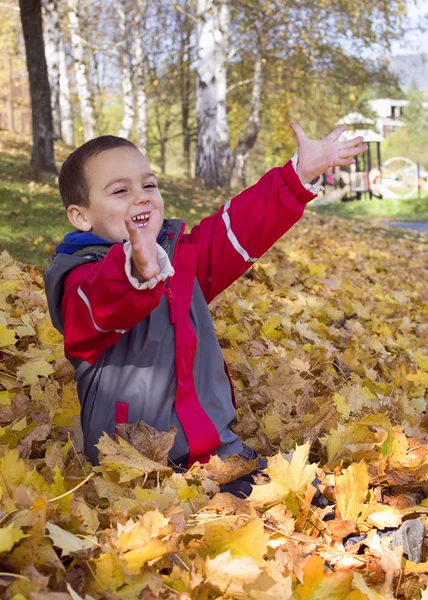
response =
{"points": [[354, 142], [336, 133], [347, 152], [344, 162], [132, 230], [299, 134]]}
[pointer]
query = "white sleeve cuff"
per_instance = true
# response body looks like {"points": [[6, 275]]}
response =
{"points": [[314, 188], [166, 269]]}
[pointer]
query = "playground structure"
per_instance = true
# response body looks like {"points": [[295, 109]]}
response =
{"points": [[397, 177]]}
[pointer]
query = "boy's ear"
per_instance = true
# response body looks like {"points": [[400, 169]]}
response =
{"points": [[77, 216]]}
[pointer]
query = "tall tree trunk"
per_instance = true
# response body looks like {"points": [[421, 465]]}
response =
{"points": [[185, 32], [83, 90], [67, 121], [125, 65], [42, 154], [248, 138], [222, 37], [206, 98], [140, 78], [52, 41]]}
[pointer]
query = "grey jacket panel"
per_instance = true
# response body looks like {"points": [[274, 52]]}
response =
{"points": [[139, 370]]}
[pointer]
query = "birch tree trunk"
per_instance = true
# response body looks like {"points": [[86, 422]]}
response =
{"points": [[51, 36], [222, 37], [140, 79], [125, 65], [67, 121], [42, 154], [248, 138], [82, 84], [206, 166], [185, 32]]}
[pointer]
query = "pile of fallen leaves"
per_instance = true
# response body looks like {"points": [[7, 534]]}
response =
{"points": [[326, 339]]}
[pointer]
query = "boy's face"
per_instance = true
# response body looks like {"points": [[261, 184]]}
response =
{"points": [[120, 185]]}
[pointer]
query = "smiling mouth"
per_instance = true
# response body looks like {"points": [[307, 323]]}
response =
{"points": [[141, 220]]}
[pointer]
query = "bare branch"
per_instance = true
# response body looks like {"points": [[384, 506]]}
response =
{"points": [[235, 85]]}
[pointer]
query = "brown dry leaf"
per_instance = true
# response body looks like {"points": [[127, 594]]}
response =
{"points": [[39, 434], [126, 460], [148, 440], [228, 470], [227, 504]]}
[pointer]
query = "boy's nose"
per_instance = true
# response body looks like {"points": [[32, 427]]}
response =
{"points": [[141, 198]]}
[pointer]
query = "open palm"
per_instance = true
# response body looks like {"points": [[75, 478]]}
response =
{"points": [[316, 156]]}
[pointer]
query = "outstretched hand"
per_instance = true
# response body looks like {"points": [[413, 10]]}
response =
{"points": [[316, 156], [144, 247]]}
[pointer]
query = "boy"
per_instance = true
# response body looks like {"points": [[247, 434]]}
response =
{"points": [[130, 290]]}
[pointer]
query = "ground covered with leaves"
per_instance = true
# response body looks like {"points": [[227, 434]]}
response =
{"points": [[326, 339]]}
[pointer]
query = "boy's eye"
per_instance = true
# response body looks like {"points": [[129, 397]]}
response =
{"points": [[149, 185], [119, 191]]}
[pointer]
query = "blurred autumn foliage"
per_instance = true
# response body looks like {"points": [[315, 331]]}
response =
{"points": [[326, 339]]}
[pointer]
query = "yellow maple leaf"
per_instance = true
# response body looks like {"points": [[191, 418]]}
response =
{"points": [[272, 327], [351, 489], [134, 560], [32, 370], [418, 378], [137, 534], [231, 574], [286, 477], [109, 572], [69, 407], [9, 535], [6, 397], [68, 542], [7, 336], [318, 270], [247, 540], [316, 584]]}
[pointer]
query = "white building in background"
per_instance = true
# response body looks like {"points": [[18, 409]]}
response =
{"points": [[389, 114]]}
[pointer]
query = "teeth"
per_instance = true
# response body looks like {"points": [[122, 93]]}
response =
{"points": [[143, 218]]}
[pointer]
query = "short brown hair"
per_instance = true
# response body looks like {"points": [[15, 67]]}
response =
{"points": [[73, 186]]}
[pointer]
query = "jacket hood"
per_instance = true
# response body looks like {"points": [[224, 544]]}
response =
{"points": [[77, 240]]}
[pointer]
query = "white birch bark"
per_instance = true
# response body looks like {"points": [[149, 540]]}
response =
{"points": [[248, 138], [82, 84], [140, 79], [206, 97], [51, 35], [125, 65], [222, 37], [67, 121]]}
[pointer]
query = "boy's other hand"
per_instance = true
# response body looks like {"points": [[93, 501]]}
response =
{"points": [[144, 247], [316, 156]]}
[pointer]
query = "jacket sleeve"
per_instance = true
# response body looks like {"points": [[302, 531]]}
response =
{"points": [[244, 228], [100, 304]]}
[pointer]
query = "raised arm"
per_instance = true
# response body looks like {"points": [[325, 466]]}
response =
{"points": [[248, 225], [244, 228]]}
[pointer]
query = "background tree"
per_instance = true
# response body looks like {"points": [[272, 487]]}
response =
{"points": [[415, 115], [125, 67], [140, 76], [82, 81], [52, 41], [42, 155], [207, 165]]}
